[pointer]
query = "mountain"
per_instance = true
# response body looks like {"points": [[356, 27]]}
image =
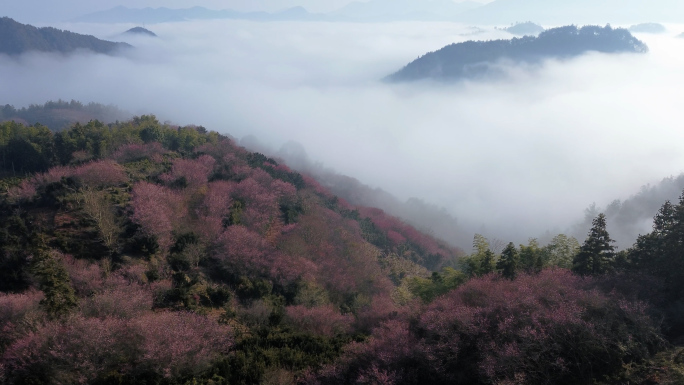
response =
{"points": [[140, 31], [576, 11], [145, 253], [390, 10], [17, 38], [648, 28], [148, 15], [476, 59], [525, 29]]}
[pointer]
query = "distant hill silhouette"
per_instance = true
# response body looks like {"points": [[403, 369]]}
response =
{"points": [[140, 31], [648, 28], [17, 38], [525, 29], [148, 15], [62, 114], [560, 12], [390, 10], [473, 59]]}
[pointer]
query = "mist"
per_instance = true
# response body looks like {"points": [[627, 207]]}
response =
{"points": [[511, 158]]}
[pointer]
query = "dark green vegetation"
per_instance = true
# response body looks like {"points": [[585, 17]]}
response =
{"points": [[17, 38], [141, 31], [478, 59], [144, 253], [62, 114]]}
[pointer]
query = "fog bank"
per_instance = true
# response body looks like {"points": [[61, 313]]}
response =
{"points": [[511, 158]]}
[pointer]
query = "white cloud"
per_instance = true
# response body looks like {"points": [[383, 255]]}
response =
{"points": [[519, 156]]}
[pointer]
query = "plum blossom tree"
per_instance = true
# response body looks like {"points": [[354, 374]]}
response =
{"points": [[548, 328], [180, 343], [100, 174], [158, 210], [191, 172]]}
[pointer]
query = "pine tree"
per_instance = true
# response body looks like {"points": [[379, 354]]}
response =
{"points": [[509, 261], [660, 252], [597, 253], [54, 282]]}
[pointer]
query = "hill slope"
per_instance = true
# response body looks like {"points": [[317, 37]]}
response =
{"points": [[144, 253], [141, 31], [17, 38], [474, 59]]}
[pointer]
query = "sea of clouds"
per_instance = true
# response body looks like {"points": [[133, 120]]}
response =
{"points": [[512, 157]]}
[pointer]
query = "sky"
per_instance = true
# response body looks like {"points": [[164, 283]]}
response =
{"points": [[512, 158], [42, 11]]}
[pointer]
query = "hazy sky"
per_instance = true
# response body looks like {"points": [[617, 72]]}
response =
{"points": [[517, 156], [51, 11]]}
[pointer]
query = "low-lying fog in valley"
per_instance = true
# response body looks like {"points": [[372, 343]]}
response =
{"points": [[511, 158]]}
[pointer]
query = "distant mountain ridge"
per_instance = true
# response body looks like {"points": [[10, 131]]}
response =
{"points": [[473, 59], [387, 10], [149, 15], [576, 11], [370, 11], [17, 38]]}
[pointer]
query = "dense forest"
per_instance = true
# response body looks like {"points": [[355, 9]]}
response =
{"points": [[477, 59], [17, 38], [144, 253], [61, 114]]}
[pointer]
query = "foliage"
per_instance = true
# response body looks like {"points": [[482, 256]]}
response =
{"points": [[538, 329], [54, 282], [438, 284], [145, 253], [508, 263], [596, 255], [91, 350]]}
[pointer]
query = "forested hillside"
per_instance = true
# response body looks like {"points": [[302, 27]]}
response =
{"points": [[61, 114], [144, 253], [475, 59], [17, 38]]}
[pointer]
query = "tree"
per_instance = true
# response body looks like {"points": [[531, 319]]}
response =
{"points": [[487, 263], [482, 261], [531, 257], [596, 254], [55, 283], [659, 253], [98, 207], [508, 263], [561, 251]]}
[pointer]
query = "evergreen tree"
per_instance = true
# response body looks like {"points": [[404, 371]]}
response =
{"points": [[487, 263], [54, 282], [660, 252], [508, 263], [597, 253]]}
